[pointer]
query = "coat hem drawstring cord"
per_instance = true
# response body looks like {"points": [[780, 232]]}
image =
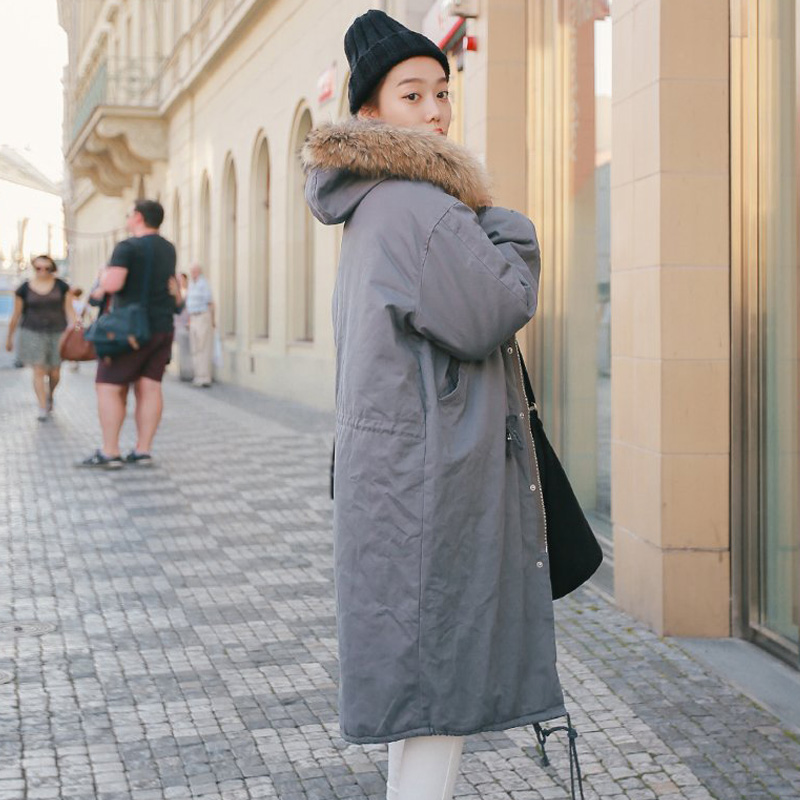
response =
{"points": [[574, 764]]}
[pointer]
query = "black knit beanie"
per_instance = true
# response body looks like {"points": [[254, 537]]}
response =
{"points": [[375, 43]]}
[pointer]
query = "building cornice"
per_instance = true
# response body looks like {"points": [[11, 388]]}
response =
{"points": [[117, 144], [218, 45]]}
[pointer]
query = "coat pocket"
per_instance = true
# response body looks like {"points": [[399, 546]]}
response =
{"points": [[454, 382]]}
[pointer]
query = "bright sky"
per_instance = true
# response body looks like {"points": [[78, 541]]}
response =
{"points": [[33, 52], [602, 57]]}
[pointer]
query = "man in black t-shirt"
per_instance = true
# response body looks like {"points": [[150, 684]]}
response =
{"points": [[134, 255], [146, 261]]}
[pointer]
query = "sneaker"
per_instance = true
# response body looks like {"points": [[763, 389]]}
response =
{"points": [[42, 415], [98, 459], [139, 459]]}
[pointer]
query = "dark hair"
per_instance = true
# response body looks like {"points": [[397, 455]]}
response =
{"points": [[77, 291], [53, 266], [152, 212], [185, 275], [372, 99]]}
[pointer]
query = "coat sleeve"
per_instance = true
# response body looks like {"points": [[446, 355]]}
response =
{"points": [[514, 235], [478, 282]]}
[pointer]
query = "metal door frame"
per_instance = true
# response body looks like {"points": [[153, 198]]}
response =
{"points": [[746, 341]]}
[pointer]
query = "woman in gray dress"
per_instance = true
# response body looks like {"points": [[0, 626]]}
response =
{"points": [[42, 309]]}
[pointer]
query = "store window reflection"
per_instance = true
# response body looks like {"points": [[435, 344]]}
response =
{"points": [[779, 302], [569, 156], [587, 309]]}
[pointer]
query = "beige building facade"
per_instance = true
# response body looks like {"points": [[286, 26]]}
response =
{"points": [[644, 137]]}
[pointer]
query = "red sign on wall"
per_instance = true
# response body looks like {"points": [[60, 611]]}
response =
{"points": [[326, 85], [440, 27]]}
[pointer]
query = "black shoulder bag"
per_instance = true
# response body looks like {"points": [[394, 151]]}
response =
{"points": [[575, 553], [123, 329]]}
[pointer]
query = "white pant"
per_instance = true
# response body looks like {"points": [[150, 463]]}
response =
{"points": [[424, 768], [201, 337]]}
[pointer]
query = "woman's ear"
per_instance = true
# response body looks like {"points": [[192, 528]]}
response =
{"points": [[367, 112]]}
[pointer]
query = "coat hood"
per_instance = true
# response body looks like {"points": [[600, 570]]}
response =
{"points": [[349, 159]]}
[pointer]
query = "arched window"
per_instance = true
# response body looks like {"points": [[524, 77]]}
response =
{"points": [[259, 227], [301, 243], [228, 253]]}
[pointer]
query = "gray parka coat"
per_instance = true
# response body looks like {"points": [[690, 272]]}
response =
{"points": [[444, 606]]}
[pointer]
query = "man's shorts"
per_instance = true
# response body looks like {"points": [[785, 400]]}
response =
{"points": [[149, 361]]}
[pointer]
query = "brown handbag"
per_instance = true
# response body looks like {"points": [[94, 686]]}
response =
{"points": [[73, 347]]}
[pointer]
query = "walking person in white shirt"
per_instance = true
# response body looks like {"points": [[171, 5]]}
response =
{"points": [[200, 306], [79, 306]]}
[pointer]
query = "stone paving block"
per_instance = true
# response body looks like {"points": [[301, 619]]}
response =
{"points": [[176, 792], [343, 792]]}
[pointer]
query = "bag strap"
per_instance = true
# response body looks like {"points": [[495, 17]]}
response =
{"points": [[574, 764], [527, 381], [148, 269]]}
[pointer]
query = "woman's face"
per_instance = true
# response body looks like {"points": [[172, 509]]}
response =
{"points": [[413, 95], [41, 268]]}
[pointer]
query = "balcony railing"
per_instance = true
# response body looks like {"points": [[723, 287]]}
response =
{"points": [[119, 82]]}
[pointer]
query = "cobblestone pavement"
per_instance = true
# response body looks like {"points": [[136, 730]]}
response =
{"points": [[193, 654]]}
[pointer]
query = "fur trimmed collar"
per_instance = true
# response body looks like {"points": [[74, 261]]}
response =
{"points": [[376, 150]]}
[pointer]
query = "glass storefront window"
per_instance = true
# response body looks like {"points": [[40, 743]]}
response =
{"points": [[571, 164], [602, 100], [779, 317], [569, 197]]}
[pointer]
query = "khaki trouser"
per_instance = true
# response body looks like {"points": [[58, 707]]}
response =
{"points": [[201, 337]]}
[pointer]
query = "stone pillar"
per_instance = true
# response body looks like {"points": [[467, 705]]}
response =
{"points": [[495, 120], [670, 314]]}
